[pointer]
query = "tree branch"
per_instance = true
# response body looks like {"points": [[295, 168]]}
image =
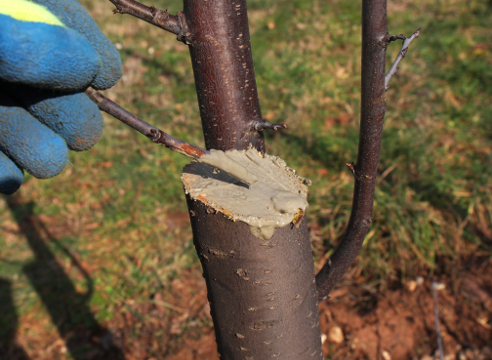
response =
{"points": [[403, 51], [265, 125], [175, 24], [396, 37], [373, 107], [160, 137], [153, 133]]}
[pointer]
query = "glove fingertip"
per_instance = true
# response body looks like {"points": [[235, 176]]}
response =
{"points": [[10, 175], [32, 145], [51, 159], [89, 124], [111, 68], [46, 56]]}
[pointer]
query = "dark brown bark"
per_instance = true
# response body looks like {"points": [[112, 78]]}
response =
{"points": [[262, 294], [224, 73], [375, 39]]}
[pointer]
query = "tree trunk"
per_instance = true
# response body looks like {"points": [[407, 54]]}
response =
{"points": [[224, 73], [262, 294]]}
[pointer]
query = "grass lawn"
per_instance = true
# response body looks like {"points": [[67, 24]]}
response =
{"points": [[110, 238]]}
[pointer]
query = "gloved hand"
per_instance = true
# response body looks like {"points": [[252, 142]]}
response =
{"points": [[50, 51]]}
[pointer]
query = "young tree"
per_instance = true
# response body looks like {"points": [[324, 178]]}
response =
{"points": [[263, 292]]}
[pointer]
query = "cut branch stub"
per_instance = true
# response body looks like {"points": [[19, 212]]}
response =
{"points": [[265, 125], [396, 37], [262, 192]]}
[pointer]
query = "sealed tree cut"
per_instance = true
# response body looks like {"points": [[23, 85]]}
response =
{"points": [[257, 264], [248, 186]]}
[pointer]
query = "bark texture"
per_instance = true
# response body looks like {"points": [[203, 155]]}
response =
{"points": [[225, 82], [262, 294]]}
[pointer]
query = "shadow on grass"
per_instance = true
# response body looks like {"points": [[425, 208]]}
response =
{"points": [[440, 200], [332, 151], [8, 324], [84, 337]]}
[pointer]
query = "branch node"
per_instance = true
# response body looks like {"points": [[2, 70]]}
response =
{"points": [[351, 166], [184, 34], [265, 125], [390, 38], [154, 135], [154, 16]]}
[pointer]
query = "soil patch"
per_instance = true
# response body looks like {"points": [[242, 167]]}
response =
{"points": [[396, 321]]}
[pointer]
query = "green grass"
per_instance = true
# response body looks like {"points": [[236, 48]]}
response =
{"points": [[111, 210]]}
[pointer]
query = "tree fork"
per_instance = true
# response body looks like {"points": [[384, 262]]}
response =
{"points": [[263, 293]]}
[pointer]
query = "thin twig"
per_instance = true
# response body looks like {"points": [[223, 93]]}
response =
{"points": [[175, 24], [403, 51], [265, 125], [160, 137], [436, 320], [153, 133]]}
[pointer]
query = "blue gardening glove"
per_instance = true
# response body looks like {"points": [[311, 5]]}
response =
{"points": [[50, 51]]}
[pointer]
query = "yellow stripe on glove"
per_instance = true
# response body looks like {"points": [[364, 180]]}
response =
{"points": [[24, 10]]}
